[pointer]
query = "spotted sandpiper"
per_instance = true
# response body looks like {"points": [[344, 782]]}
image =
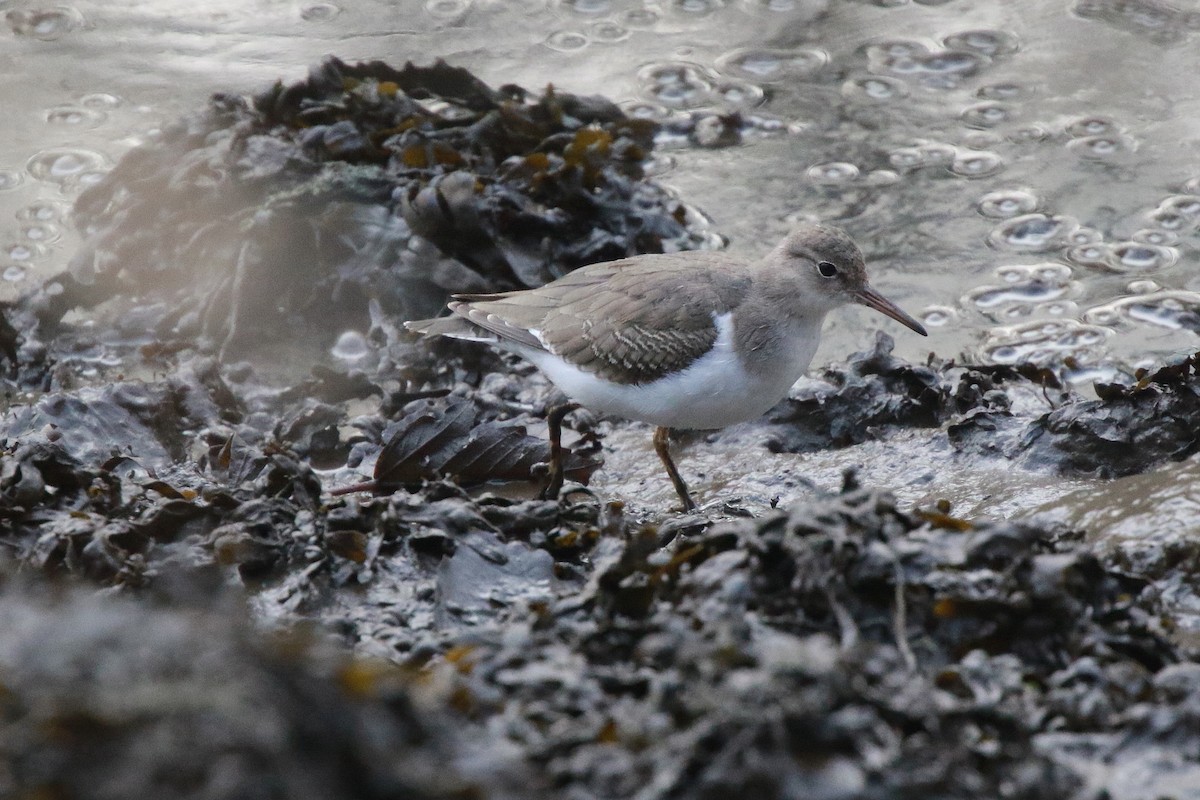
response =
{"points": [[692, 340]]}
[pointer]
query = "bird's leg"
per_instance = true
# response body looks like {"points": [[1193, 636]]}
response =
{"points": [[554, 421], [662, 446]]}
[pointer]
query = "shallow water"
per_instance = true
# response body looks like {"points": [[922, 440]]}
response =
{"points": [[1021, 175]]}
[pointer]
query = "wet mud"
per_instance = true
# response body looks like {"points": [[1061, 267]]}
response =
{"points": [[221, 578]]}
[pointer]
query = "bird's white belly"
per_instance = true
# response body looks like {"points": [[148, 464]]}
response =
{"points": [[715, 391]]}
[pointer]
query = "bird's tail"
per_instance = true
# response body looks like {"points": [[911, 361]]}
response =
{"points": [[452, 326]]}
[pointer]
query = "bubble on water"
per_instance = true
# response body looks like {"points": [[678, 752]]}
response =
{"points": [[1100, 147], [677, 84], [938, 316], [981, 140], [43, 211], [740, 94], [21, 252], [75, 116], [1141, 257], [46, 25], [1028, 134], [641, 18], [937, 153], [100, 101], [895, 48], [13, 273], [942, 69], [987, 42], [929, 154], [1155, 20], [1010, 274], [1091, 126], [775, 6], [1094, 254], [1171, 221], [1029, 292], [763, 123], [881, 177], [1007, 203], [986, 115], [64, 165], [1191, 185], [1027, 288], [350, 346], [9, 179], [1108, 317], [696, 7], [765, 65], [642, 109], [977, 164], [833, 173], [319, 12], [447, 9], [1187, 205], [1144, 286], [1169, 309], [1032, 232], [1046, 344], [874, 89], [1062, 308], [1166, 317], [1085, 236], [587, 8], [949, 61], [1004, 354], [1051, 272], [608, 32], [1001, 91], [906, 158], [40, 233], [566, 41], [1156, 236]]}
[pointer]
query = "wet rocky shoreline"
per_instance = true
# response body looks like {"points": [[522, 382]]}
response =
{"points": [[190, 610]]}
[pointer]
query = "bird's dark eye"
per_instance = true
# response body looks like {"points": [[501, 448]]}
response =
{"points": [[826, 269]]}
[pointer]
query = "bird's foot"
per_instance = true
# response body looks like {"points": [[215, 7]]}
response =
{"points": [[554, 480]]}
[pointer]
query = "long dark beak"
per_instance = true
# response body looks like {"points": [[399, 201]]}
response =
{"points": [[873, 299]]}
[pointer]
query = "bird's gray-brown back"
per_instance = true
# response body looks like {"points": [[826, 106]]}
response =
{"points": [[630, 321]]}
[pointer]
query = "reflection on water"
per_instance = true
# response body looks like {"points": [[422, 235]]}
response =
{"points": [[1165, 501]]}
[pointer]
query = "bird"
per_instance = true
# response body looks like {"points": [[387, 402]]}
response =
{"points": [[687, 340]]}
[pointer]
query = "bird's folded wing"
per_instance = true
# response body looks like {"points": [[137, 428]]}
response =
{"points": [[656, 319]]}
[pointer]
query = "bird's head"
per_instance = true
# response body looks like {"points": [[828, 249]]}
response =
{"points": [[833, 271]]}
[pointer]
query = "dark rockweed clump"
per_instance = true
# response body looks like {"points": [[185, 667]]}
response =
{"points": [[841, 648], [1126, 431], [244, 497], [290, 214], [170, 696]]}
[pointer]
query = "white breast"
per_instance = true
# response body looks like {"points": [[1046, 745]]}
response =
{"points": [[713, 392]]}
